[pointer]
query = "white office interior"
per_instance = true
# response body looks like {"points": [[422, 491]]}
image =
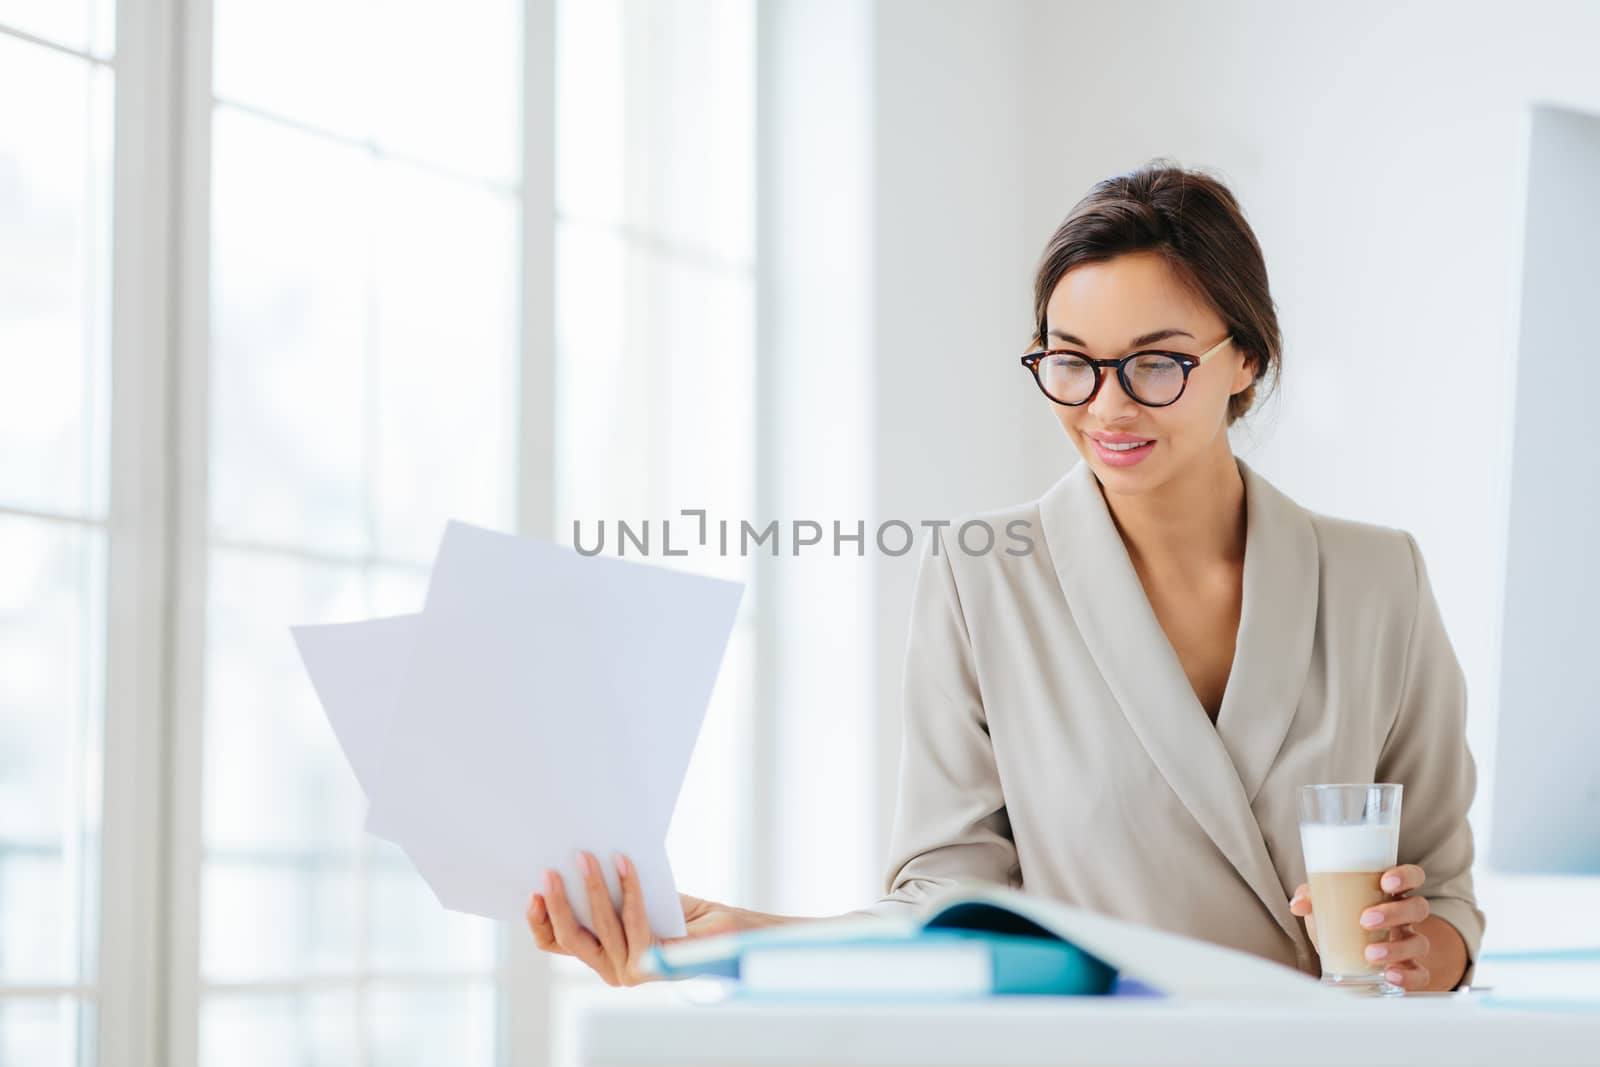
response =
{"points": [[285, 286]]}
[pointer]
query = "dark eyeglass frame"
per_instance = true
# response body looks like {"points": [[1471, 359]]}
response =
{"points": [[1183, 359]]}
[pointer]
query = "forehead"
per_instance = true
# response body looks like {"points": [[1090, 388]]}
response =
{"points": [[1109, 302]]}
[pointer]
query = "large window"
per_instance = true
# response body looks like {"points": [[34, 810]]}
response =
{"points": [[55, 206], [335, 333]]}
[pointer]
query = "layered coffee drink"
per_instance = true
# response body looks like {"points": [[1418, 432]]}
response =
{"points": [[1343, 868], [1350, 835]]}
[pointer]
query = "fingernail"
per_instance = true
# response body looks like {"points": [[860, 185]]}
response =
{"points": [[1394, 977], [622, 866], [1376, 952], [586, 864], [1371, 918], [1391, 883]]}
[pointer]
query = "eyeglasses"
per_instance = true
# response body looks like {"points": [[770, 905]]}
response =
{"points": [[1153, 378]]}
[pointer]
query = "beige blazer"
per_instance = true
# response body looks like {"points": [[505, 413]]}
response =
{"points": [[1052, 740]]}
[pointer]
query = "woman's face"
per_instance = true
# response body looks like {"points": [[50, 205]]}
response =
{"points": [[1108, 309]]}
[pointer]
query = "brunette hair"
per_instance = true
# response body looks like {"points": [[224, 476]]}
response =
{"points": [[1191, 219]]}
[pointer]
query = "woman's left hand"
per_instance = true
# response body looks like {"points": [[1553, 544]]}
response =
{"points": [[1401, 955]]}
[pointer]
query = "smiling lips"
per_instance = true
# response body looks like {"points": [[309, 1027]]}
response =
{"points": [[1121, 449]]}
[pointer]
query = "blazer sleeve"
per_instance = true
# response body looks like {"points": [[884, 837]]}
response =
{"points": [[1427, 752], [950, 822]]}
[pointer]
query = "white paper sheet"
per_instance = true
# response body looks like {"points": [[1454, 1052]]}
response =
{"points": [[357, 669], [542, 703]]}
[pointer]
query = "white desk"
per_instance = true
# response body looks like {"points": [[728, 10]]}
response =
{"points": [[657, 1029]]}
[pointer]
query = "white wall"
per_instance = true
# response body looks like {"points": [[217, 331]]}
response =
{"points": [[1378, 151]]}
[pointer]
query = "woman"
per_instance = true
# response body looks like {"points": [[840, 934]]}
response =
{"points": [[1121, 717]]}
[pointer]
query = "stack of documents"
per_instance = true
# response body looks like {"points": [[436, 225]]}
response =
{"points": [[541, 704]]}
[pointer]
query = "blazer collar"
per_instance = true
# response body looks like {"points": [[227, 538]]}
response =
{"points": [[1215, 771]]}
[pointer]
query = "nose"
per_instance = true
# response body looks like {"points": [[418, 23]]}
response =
{"points": [[1112, 403]]}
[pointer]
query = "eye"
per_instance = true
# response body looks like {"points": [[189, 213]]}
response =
{"points": [[1069, 361], [1155, 365]]}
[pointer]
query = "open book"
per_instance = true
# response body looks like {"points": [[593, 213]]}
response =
{"points": [[933, 951]]}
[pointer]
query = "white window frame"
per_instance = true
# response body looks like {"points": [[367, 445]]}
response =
{"points": [[140, 555], [147, 988]]}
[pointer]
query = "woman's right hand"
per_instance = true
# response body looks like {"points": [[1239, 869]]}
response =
{"points": [[618, 943]]}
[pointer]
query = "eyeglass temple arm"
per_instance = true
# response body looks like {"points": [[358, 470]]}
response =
{"points": [[1201, 358]]}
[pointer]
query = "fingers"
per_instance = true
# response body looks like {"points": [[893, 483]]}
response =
{"points": [[634, 922], [1402, 879], [569, 934], [1404, 944], [544, 936], [1395, 913], [1410, 976], [1300, 902], [602, 916]]}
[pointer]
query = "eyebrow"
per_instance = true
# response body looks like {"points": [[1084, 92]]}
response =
{"points": [[1138, 342]]}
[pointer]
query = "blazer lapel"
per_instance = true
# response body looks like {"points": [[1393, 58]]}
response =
{"points": [[1277, 628], [1215, 771]]}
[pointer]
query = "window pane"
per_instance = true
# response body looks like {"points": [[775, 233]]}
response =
{"points": [[348, 368], [425, 1027], [656, 121], [298, 59], [447, 298], [87, 25], [469, 122], [705, 388], [602, 379], [47, 1032], [54, 226], [301, 1029], [700, 122], [283, 812], [52, 591], [291, 251], [407, 929], [414, 78], [397, 590], [591, 133]]}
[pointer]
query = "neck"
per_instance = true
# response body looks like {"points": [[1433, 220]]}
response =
{"points": [[1198, 516]]}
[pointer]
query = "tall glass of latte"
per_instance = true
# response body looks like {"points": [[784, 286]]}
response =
{"points": [[1350, 835]]}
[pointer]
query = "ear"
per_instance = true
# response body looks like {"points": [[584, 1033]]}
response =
{"points": [[1245, 375]]}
